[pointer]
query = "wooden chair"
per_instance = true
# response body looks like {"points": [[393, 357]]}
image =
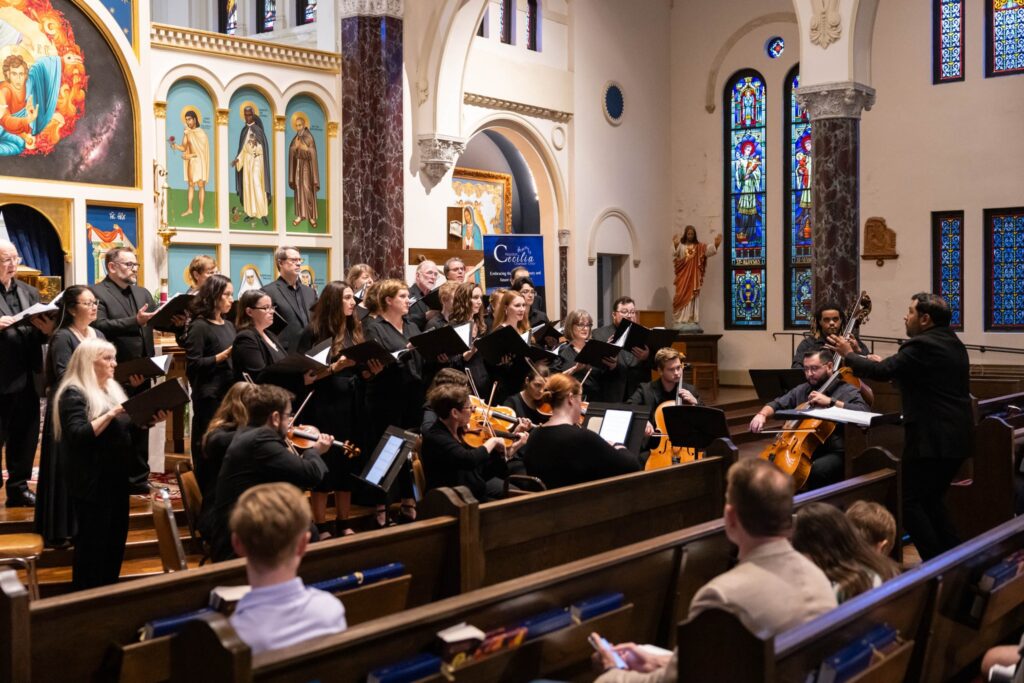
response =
{"points": [[172, 554], [23, 550], [192, 501], [419, 477]]}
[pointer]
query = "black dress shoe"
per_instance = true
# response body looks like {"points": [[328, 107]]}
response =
{"points": [[141, 489], [21, 499]]}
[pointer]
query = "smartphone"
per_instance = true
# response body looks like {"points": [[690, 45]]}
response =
{"points": [[604, 647]]}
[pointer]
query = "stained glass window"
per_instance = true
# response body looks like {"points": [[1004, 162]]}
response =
{"points": [[948, 262], [506, 20], [1004, 29], [775, 47], [745, 172], [799, 208], [306, 11], [533, 25], [948, 41], [266, 12], [227, 16], [1004, 269]]}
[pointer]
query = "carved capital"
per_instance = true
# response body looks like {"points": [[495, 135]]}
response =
{"points": [[438, 154], [160, 110], [332, 129], [372, 8], [222, 117], [279, 122], [836, 100]]}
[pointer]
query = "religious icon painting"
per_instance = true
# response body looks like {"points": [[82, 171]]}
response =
{"points": [[191, 156], [179, 258], [251, 268], [48, 49], [486, 201], [306, 193], [107, 227], [314, 271], [251, 151]]}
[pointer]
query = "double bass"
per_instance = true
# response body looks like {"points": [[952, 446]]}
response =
{"points": [[794, 447], [666, 454]]}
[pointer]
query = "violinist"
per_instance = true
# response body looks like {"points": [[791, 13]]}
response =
{"points": [[527, 403], [335, 402], [561, 453], [448, 461], [605, 382], [668, 387], [827, 462]]}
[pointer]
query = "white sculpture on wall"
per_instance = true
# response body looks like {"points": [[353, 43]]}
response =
{"points": [[825, 22]]}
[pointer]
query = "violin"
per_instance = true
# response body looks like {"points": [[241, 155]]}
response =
{"points": [[544, 408], [794, 447], [666, 454], [306, 436]]}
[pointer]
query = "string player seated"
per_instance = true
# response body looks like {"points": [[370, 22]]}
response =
{"points": [[829, 319], [827, 462], [667, 387]]}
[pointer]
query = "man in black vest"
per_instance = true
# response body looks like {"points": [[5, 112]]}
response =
{"points": [[932, 371], [292, 298], [21, 354], [123, 314]]}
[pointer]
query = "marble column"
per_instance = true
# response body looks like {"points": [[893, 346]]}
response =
{"points": [[834, 110], [373, 213], [563, 273]]}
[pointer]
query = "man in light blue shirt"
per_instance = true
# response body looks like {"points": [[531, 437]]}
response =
{"points": [[270, 528]]}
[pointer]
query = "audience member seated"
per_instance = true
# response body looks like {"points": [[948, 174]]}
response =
{"points": [[561, 453], [772, 589], [875, 523], [259, 454], [1001, 664], [270, 529], [824, 534], [448, 461]]}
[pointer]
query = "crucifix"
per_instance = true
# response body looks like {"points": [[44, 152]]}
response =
{"points": [[460, 245]]}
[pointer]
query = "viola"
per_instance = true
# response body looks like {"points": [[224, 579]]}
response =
{"points": [[474, 437], [306, 436]]}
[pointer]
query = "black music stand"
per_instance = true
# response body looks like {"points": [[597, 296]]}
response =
{"points": [[635, 435], [771, 384], [392, 452], [695, 426]]}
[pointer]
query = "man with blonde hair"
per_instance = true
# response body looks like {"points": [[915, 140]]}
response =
{"points": [[270, 529]]}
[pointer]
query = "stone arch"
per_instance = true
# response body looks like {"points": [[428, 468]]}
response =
{"points": [[595, 228], [320, 95], [262, 85], [711, 87], [206, 78]]}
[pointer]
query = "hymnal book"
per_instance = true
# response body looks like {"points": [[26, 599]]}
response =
{"points": [[464, 331], [164, 396], [845, 663], [360, 578], [500, 343], [455, 642], [145, 366], [224, 598], [503, 638], [595, 351], [169, 625], [296, 363], [34, 310], [631, 335], [544, 331], [546, 622], [432, 299], [595, 606], [363, 353], [407, 670], [443, 340], [279, 324], [321, 353], [998, 574], [176, 305]]}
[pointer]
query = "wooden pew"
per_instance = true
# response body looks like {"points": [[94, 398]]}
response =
{"points": [[103, 623], [517, 536], [658, 578], [15, 662], [927, 605]]}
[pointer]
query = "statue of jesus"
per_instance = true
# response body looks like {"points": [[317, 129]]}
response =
{"points": [[690, 258]]}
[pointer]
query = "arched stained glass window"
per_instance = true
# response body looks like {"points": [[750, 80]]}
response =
{"points": [[948, 262], [745, 171], [1004, 34], [227, 16], [948, 41], [1004, 269], [799, 209]]}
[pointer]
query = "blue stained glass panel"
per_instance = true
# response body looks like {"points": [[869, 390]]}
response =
{"points": [[775, 47], [799, 217], [950, 38], [1006, 270], [951, 259], [745, 182], [1007, 38]]}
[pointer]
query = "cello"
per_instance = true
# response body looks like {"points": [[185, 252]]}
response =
{"points": [[666, 454], [794, 447]]}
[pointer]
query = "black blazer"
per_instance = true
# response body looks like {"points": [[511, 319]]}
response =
{"points": [[20, 345], [97, 466], [115, 318], [449, 462], [297, 316], [58, 354], [932, 371], [250, 354]]}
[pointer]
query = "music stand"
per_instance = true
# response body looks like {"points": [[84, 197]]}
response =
{"points": [[635, 435], [392, 452], [695, 426], [771, 384]]}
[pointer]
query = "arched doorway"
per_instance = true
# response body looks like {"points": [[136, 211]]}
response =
{"points": [[511, 145], [39, 243]]}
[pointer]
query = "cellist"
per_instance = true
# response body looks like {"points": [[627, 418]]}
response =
{"points": [[667, 387], [827, 462]]}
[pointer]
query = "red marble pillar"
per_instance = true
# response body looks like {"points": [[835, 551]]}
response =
{"points": [[834, 109], [373, 212]]}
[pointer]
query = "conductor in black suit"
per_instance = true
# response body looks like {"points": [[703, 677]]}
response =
{"points": [[122, 315], [20, 359], [932, 371], [292, 298]]}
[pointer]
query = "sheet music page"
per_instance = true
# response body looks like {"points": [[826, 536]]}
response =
{"points": [[525, 336], [162, 362], [463, 332], [842, 415], [322, 356], [387, 457], [616, 426], [621, 341], [34, 309]]}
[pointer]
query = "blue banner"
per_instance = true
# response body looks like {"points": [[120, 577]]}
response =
{"points": [[505, 253]]}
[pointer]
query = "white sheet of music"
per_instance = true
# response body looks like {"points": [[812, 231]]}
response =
{"points": [[322, 356], [463, 332], [615, 426], [842, 415]]}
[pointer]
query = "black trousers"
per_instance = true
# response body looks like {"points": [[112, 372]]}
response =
{"points": [[826, 469], [100, 541], [925, 517], [138, 468], [203, 410], [19, 436]]}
